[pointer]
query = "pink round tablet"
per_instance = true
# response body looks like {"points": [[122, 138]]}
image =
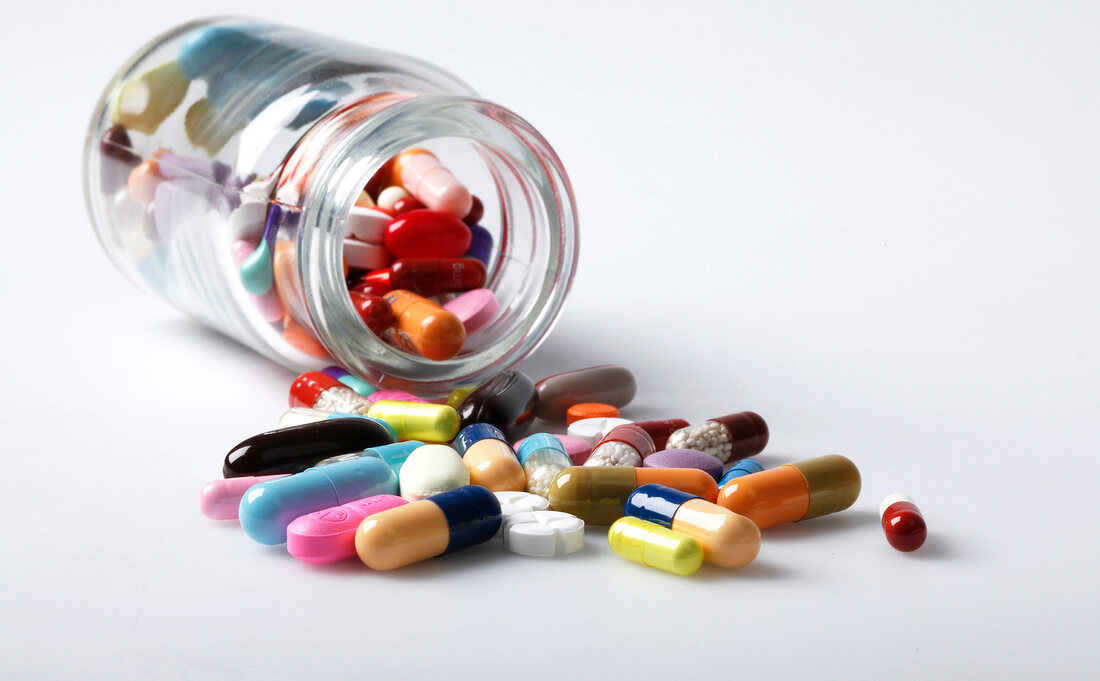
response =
{"points": [[684, 458], [577, 448], [329, 535], [475, 308]]}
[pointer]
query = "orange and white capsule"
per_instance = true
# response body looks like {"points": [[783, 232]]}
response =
{"points": [[794, 491], [421, 173], [902, 522]]}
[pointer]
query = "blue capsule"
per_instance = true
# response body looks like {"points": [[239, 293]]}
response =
{"points": [[268, 507], [741, 468]]}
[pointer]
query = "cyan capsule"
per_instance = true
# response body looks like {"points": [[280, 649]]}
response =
{"points": [[268, 507], [741, 468]]}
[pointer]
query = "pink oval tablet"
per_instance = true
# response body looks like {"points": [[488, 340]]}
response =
{"points": [[685, 458], [329, 535], [577, 448], [474, 308]]}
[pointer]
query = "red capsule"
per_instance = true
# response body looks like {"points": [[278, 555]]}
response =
{"points": [[903, 523], [405, 205], [477, 211], [374, 310], [427, 234], [660, 430], [429, 276], [380, 179], [374, 283]]}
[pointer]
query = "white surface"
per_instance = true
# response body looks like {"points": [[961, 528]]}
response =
{"points": [[875, 225]]}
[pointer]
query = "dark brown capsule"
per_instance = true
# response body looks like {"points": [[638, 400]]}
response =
{"points": [[506, 401], [294, 449]]}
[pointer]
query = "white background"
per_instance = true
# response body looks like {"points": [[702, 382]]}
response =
{"points": [[876, 224]]}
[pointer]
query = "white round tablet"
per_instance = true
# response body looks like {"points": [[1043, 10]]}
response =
{"points": [[592, 430], [543, 533]]}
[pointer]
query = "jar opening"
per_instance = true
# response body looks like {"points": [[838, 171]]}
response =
{"points": [[528, 210]]}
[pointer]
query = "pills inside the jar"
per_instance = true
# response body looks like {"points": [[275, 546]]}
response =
{"points": [[474, 308]]}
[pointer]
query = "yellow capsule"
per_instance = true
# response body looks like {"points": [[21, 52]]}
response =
{"points": [[457, 395], [654, 546], [418, 420]]}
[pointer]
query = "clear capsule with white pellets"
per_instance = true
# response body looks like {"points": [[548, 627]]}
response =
{"points": [[543, 456], [490, 459], [736, 436], [318, 390], [728, 539], [626, 445]]}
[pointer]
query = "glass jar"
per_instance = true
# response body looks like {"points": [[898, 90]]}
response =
{"points": [[230, 142]]}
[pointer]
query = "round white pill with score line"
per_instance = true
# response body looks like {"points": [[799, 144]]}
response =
{"points": [[543, 533]]}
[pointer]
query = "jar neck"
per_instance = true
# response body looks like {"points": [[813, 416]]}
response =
{"points": [[524, 187]]}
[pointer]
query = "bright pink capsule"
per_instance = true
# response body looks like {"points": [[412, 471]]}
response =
{"points": [[373, 309], [903, 523], [427, 234], [429, 276]]}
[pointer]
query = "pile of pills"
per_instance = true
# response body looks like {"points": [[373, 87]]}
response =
{"points": [[393, 479]]}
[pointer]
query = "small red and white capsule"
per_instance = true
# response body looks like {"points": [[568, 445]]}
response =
{"points": [[902, 522]]}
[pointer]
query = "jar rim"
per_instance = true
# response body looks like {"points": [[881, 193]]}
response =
{"points": [[516, 150]]}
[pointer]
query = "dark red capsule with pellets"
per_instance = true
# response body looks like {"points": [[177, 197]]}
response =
{"points": [[659, 430], [903, 523], [430, 276]]}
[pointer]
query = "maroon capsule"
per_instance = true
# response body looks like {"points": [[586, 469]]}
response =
{"points": [[660, 430], [374, 310], [477, 211], [903, 523], [116, 159], [429, 276], [427, 234], [376, 282]]}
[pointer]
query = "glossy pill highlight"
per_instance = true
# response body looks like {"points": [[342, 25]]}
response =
{"points": [[902, 522], [596, 495], [794, 491], [728, 539], [417, 420], [654, 546], [447, 522]]}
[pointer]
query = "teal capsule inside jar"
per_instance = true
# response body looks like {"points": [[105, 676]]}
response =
{"points": [[223, 163]]}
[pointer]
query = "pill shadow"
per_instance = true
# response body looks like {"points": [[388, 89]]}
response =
{"points": [[758, 570], [936, 547], [859, 520]]}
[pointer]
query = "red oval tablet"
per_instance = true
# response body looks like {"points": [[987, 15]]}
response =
{"points": [[427, 234]]}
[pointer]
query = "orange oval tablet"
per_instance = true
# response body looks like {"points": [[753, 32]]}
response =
{"points": [[590, 410]]}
